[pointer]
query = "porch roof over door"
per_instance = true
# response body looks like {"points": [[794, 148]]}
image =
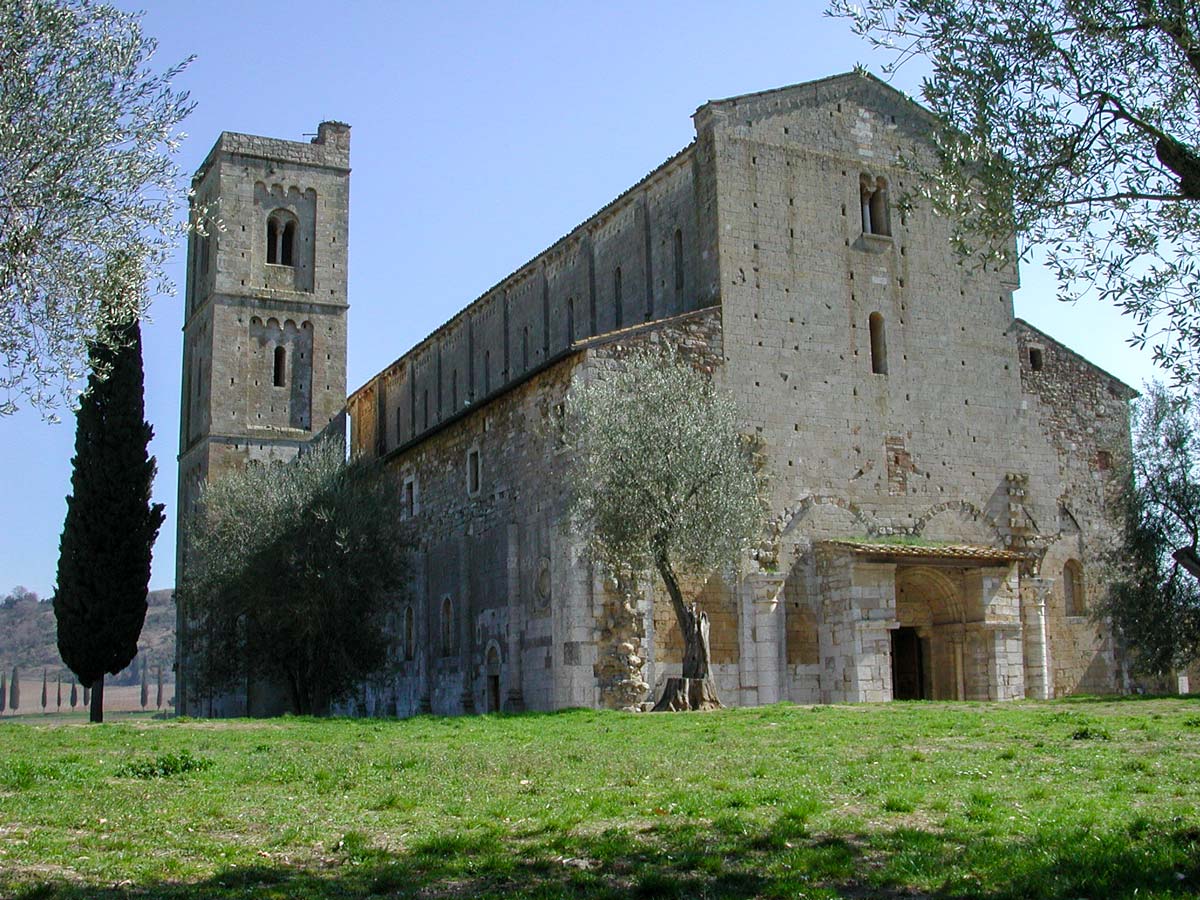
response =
{"points": [[926, 553]]}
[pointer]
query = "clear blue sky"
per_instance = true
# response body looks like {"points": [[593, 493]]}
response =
{"points": [[482, 133]]}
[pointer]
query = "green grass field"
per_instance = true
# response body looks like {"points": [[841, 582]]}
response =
{"points": [[1083, 798]]}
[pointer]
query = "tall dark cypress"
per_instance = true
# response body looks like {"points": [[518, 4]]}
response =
{"points": [[104, 553]]}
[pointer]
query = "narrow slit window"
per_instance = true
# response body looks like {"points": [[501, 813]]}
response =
{"points": [[570, 320], [617, 300], [410, 498], [280, 373], [425, 409], [878, 345], [273, 240], [678, 260], [473, 472]]}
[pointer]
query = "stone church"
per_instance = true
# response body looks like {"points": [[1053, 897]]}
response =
{"points": [[939, 470]]}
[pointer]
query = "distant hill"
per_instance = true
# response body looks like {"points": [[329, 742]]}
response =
{"points": [[28, 636]]}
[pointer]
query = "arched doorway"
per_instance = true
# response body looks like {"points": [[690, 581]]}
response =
{"points": [[927, 647], [492, 674]]}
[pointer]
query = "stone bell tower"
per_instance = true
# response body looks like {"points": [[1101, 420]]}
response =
{"points": [[264, 335]]}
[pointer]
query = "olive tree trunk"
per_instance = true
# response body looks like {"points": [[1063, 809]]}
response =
{"points": [[695, 689]]}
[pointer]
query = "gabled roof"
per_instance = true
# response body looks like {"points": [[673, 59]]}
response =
{"points": [[807, 90], [1133, 392]]}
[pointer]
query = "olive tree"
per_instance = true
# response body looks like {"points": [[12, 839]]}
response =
{"points": [[289, 573], [1075, 125], [664, 481], [1154, 594], [87, 179]]}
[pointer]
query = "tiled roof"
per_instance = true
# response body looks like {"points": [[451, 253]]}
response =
{"points": [[967, 552]]}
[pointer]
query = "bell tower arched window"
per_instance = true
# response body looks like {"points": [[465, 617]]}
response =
{"points": [[281, 238]]}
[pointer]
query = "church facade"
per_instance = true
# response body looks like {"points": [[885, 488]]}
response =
{"points": [[939, 471]]}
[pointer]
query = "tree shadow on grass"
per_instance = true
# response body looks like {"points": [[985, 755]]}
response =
{"points": [[722, 859]]}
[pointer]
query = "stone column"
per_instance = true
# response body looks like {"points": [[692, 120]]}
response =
{"points": [[762, 653], [1034, 592]]}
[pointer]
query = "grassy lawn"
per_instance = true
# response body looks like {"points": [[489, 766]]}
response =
{"points": [[1084, 798]]}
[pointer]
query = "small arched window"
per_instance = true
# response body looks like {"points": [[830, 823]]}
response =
{"points": [[281, 239], [280, 368], [410, 637], [617, 301], [1072, 579], [878, 345], [447, 627]]}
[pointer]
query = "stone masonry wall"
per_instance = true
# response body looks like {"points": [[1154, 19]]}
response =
{"points": [[504, 557], [1084, 412], [942, 438]]}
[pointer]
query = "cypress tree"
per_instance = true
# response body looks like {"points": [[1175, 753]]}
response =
{"points": [[58, 702], [74, 695], [145, 686], [3, 693], [158, 698], [104, 553], [14, 690], [43, 690]]}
